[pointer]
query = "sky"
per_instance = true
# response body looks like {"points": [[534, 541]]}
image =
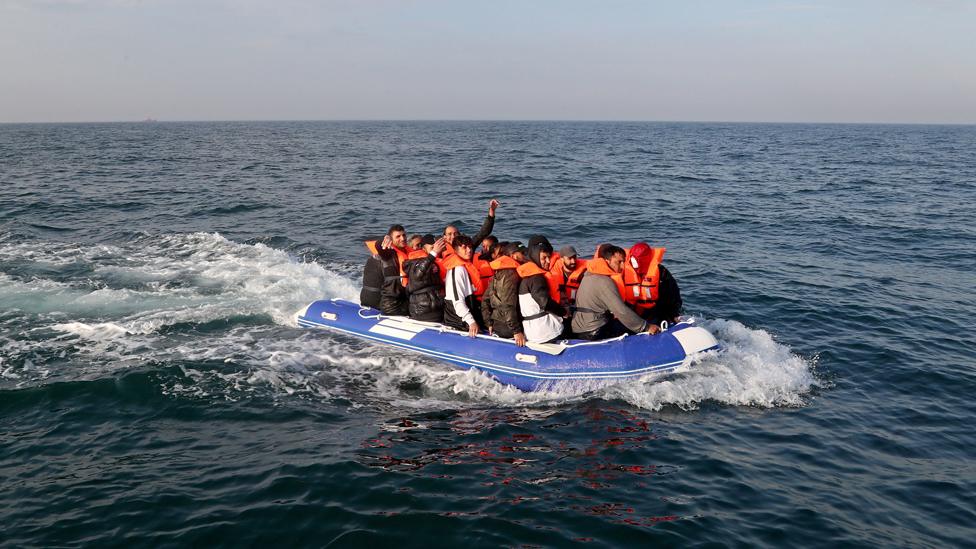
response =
{"points": [[886, 61]]}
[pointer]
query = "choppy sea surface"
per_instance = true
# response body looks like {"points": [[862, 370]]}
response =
{"points": [[155, 389]]}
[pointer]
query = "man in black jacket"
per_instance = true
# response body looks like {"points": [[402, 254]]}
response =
{"points": [[392, 252], [451, 232], [500, 304], [424, 286]]}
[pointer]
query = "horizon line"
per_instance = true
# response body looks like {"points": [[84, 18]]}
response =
{"points": [[480, 120]]}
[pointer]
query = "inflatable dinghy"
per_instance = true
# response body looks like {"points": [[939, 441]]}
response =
{"points": [[534, 367]]}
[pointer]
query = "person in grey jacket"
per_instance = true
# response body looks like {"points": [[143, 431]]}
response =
{"points": [[600, 311]]}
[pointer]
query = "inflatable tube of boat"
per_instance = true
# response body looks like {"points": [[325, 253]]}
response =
{"points": [[530, 368]]}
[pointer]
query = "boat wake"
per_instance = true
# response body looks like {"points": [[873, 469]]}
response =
{"points": [[217, 317]]}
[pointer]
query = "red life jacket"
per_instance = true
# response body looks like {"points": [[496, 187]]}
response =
{"points": [[650, 282], [475, 276], [601, 267], [529, 268]]}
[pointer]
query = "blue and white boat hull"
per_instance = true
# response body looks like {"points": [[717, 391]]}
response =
{"points": [[534, 367]]}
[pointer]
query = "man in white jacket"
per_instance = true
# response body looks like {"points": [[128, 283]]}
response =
{"points": [[462, 310]]}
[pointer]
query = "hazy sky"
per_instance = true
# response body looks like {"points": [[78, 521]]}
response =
{"points": [[720, 60]]}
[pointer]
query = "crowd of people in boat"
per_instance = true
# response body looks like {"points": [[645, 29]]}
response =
{"points": [[529, 293]]}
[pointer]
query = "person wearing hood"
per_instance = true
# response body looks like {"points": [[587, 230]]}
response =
{"points": [[501, 301], [600, 310], [424, 286], [538, 303], [462, 288]]}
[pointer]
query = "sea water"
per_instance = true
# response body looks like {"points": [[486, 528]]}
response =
{"points": [[155, 388]]}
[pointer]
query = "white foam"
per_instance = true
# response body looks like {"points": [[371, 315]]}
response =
{"points": [[751, 370], [199, 278]]}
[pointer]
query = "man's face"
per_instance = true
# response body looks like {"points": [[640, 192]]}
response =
{"points": [[450, 232], [399, 238], [544, 260], [486, 244], [464, 252], [415, 243], [569, 263], [617, 262], [518, 256]]}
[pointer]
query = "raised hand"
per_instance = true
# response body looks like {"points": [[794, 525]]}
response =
{"points": [[492, 206], [439, 246], [387, 242]]}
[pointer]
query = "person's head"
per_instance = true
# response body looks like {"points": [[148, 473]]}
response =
{"points": [[503, 248], [600, 247], [614, 256], [415, 241], [398, 235], [537, 239], [567, 255], [464, 247], [450, 233], [496, 250], [427, 241], [489, 243], [540, 251], [640, 256], [520, 254]]}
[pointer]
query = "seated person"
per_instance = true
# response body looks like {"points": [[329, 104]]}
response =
{"points": [[462, 288], [501, 301], [659, 297], [542, 315], [451, 232], [383, 275], [424, 286], [600, 311], [488, 245]]}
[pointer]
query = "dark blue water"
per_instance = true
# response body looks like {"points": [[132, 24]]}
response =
{"points": [[155, 390]]}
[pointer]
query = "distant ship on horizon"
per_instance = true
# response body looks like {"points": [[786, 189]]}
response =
{"points": [[149, 119]]}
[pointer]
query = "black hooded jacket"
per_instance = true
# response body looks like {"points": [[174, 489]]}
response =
{"points": [[393, 296], [425, 289], [369, 296]]}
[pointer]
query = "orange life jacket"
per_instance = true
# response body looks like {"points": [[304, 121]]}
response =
{"points": [[650, 282], [417, 254], [504, 262], [402, 255], [529, 268], [475, 276], [601, 267], [568, 285], [448, 251], [485, 271], [631, 282]]}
